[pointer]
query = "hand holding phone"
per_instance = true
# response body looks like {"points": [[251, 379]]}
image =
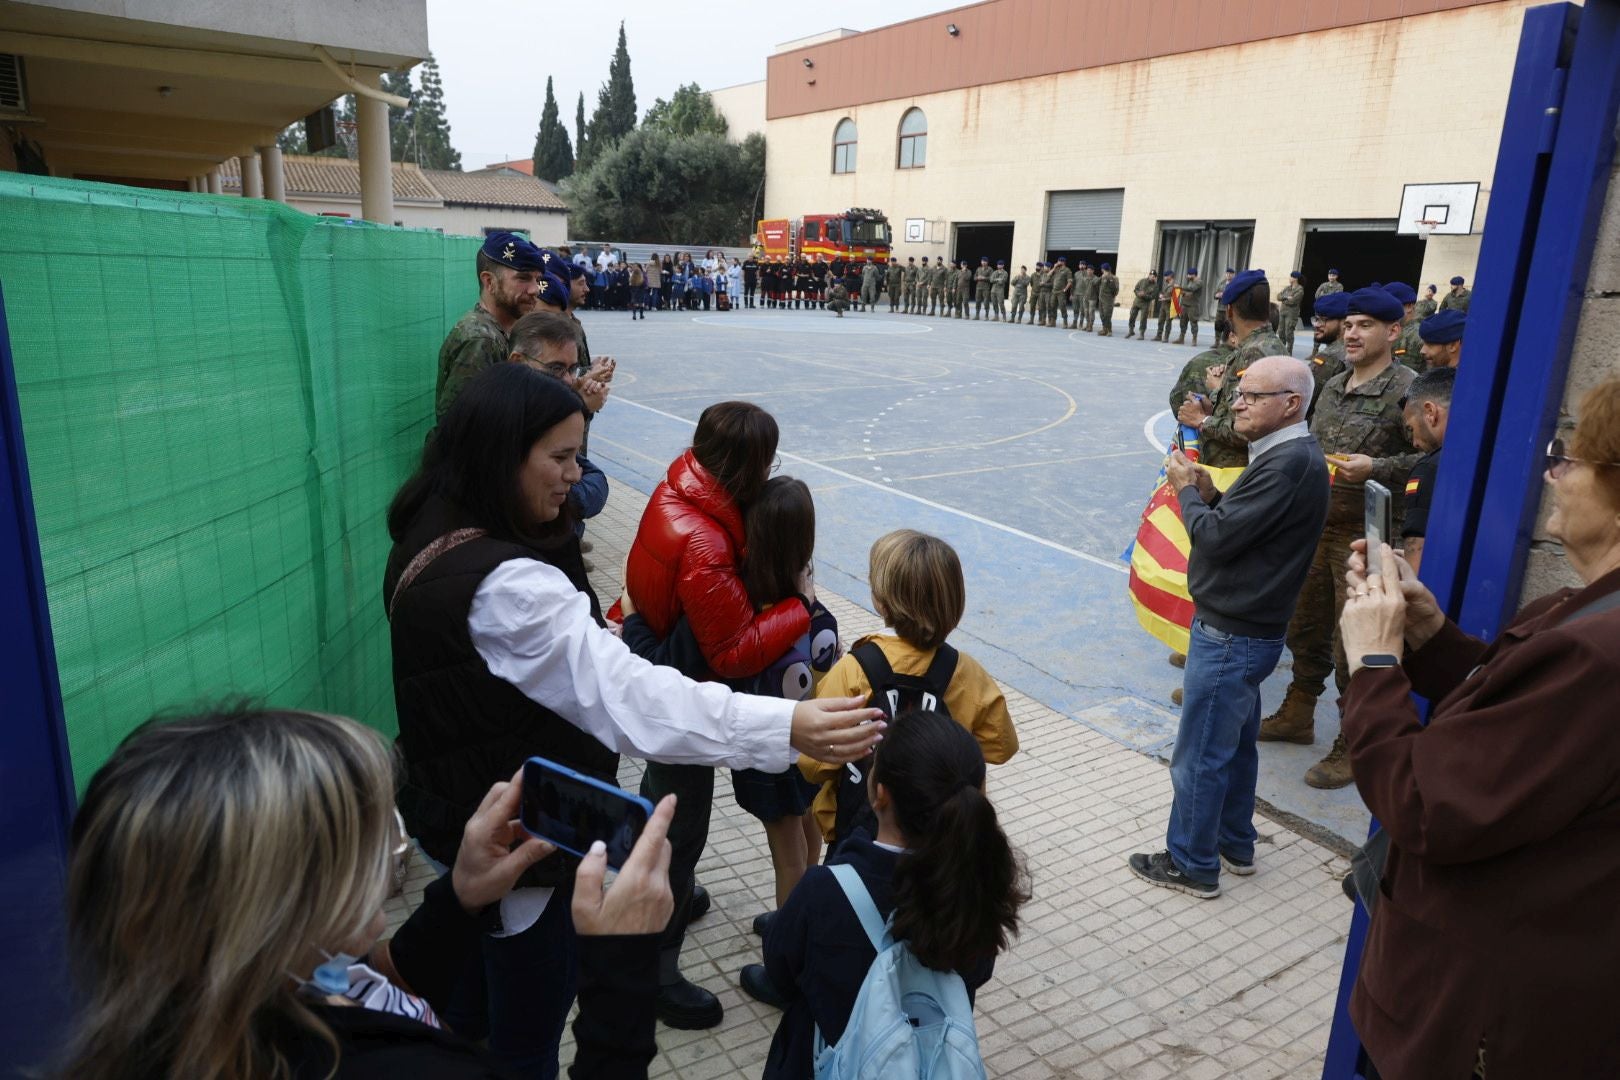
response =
{"points": [[574, 811], [1380, 514]]}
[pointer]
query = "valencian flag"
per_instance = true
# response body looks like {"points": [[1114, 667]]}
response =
{"points": [[1158, 559]]}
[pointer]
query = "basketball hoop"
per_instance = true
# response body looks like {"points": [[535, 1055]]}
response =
{"points": [[1425, 226]]}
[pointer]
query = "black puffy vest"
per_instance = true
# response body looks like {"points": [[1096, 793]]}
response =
{"points": [[461, 729]]}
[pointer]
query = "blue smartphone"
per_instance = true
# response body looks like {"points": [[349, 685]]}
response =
{"points": [[574, 811]]}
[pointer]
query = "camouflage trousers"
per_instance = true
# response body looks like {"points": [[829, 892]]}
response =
{"points": [[869, 294], [1105, 311], [981, 299], [998, 302], [1287, 326], [1019, 301], [1313, 634], [1042, 309], [1189, 318], [1140, 309], [1085, 310], [1166, 320], [1060, 309]]}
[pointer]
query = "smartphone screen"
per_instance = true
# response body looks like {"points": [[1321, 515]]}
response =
{"points": [[1380, 524], [574, 811]]}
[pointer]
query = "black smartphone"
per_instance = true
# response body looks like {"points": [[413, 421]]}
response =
{"points": [[574, 811], [1380, 524]]}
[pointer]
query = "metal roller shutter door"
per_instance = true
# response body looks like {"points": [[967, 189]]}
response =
{"points": [[1084, 220]]}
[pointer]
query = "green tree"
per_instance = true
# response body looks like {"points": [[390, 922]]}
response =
{"points": [[401, 122], [688, 111], [615, 115], [553, 156], [654, 186], [581, 136], [430, 128]]}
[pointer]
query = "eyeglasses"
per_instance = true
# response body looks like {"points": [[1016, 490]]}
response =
{"points": [[1558, 462], [1252, 397], [776, 464]]}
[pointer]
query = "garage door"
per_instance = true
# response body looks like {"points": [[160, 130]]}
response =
{"points": [[1087, 220]]}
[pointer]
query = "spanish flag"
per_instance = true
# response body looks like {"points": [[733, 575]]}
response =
{"points": [[1158, 558], [1175, 301]]}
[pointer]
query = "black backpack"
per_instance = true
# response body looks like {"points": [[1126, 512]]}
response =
{"points": [[894, 694]]}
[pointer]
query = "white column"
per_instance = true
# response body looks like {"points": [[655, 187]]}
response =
{"points": [[216, 184], [191, 183], [376, 171], [275, 183], [252, 178]]}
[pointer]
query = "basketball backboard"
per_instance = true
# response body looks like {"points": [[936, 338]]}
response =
{"points": [[1438, 209]]}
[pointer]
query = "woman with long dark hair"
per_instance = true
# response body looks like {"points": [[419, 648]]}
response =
{"points": [[498, 655], [940, 865]]}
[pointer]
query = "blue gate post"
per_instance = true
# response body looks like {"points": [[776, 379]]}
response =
{"points": [[36, 781], [1552, 174]]}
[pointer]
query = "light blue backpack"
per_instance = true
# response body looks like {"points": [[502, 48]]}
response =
{"points": [[908, 1020]]}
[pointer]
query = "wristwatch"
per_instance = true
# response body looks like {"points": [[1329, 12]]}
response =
{"points": [[1380, 659]]}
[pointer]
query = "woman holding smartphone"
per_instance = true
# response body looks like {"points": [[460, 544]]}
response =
{"points": [[497, 657]]}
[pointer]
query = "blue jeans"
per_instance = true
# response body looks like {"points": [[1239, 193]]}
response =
{"points": [[1215, 762]]}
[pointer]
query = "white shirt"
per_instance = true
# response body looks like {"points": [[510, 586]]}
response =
{"points": [[1301, 430], [606, 259], [535, 631]]}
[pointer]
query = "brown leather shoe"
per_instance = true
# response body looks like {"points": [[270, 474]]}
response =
{"points": [[1294, 721], [1332, 771], [1175, 696], [1178, 659]]}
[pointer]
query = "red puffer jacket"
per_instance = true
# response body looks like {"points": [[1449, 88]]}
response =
{"points": [[685, 560]]}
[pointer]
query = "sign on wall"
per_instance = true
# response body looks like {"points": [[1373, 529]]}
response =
{"points": [[916, 230]]}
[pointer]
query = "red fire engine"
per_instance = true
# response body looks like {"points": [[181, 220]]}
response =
{"points": [[856, 233]]}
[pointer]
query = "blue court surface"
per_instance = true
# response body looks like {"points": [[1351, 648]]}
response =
{"points": [[1031, 449]]}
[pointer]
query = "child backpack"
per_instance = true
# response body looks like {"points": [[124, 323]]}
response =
{"points": [[795, 673], [894, 694], [908, 1020]]}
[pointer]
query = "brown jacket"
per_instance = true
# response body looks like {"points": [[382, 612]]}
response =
{"points": [[1500, 916]]}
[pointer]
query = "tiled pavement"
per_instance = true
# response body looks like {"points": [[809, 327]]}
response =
{"points": [[1110, 977]]}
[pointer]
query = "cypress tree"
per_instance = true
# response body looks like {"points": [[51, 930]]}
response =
{"points": [[581, 152], [615, 115], [553, 156], [431, 127]]}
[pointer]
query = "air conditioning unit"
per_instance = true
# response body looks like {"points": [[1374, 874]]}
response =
{"points": [[13, 87]]}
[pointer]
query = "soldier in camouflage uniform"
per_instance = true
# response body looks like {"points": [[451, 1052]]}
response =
{"points": [[964, 289], [1331, 285], [1409, 346], [1327, 352], [1043, 294], [1192, 300], [1020, 293], [1192, 380], [838, 298], [981, 289], [939, 288], [998, 290], [1358, 421], [1164, 305], [509, 274], [1458, 297], [891, 284], [1427, 305], [1085, 295], [1062, 286], [1107, 297], [1288, 301], [1144, 293], [871, 283], [1247, 303], [908, 286]]}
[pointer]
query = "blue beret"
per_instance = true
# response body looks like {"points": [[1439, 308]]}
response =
{"points": [[1063, 258], [1335, 273], [1229, 270], [984, 258], [1457, 280], [1443, 327], [1192, 269], [1107, 266], [1434, 288], [1376, 303], [1295, 274], [1333, 305], [1375, 285], [1401, 291], [1242, 284], [559, 267], [1001, 262], [510, 249], [553, 290]]}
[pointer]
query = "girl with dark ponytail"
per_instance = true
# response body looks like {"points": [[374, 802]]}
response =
{"points": [[940, 865]]}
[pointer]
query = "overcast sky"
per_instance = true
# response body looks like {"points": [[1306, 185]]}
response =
{"points": [[495, 54]]}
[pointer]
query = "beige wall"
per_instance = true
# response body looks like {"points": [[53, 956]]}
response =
{"points": [[1596, 357], [1323, 125], [743, 106], [545, 228]]}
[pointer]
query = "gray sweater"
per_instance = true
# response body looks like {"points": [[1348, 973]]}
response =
{"points": [[1252, 549]]}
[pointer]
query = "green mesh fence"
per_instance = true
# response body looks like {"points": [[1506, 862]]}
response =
{"points": [[219, 397]]}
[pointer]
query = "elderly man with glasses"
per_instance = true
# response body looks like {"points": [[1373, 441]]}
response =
{"points": [[1251, 550]]}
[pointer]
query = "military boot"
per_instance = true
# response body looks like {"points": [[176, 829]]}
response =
{"points": [[1182, 340], [1195, 337], [1332, 771], [1294, 721]]}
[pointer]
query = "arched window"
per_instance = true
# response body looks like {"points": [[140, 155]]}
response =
{"points": [[913, 139], [844, 146]]}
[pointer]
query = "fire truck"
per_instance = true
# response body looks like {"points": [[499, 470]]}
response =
{"points": [[856, 233]]}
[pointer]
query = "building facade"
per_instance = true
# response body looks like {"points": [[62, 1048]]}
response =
{"points": [[1165, 134]]}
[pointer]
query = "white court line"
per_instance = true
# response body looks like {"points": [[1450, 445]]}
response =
{"points": [[1108, 564], [1147, 430]]}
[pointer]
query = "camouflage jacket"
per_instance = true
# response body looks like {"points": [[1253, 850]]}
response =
{"points": [[891, 277], [1146, 289], [1020, 284], [1290, 297], [1408, 348], [1043, 280], [1328, 287], [1062, 279], [981, 274], [1192, 291], [909, 276], [1085, 286], [1192, 376], [1107, 289], [475, 343], [998, 280], [1425, 308], [870, 275], [1457, 300], [940, 276], [1219, 443], [1365, 420], [1326, 361]]}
